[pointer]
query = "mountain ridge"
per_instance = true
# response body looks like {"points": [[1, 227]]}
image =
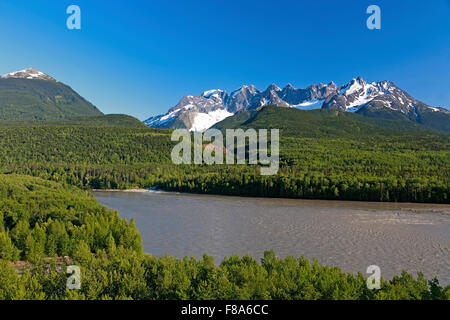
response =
{"points": [[382, 99], [31, 94]]}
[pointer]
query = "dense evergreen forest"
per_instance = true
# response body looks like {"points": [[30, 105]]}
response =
{"points": [[48, 218], [324, 155], [41, 220]]}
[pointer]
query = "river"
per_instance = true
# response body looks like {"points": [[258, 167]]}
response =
{"points": [[351, 235]]}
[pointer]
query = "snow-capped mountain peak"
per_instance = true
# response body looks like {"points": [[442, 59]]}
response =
{"points": [[198, 113], [30, 73], [356, 93]]}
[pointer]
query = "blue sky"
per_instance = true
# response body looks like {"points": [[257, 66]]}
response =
{"points": [[140, 57]]}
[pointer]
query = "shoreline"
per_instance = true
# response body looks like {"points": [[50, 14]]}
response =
{"points": [[401, 205], [123, 190]]}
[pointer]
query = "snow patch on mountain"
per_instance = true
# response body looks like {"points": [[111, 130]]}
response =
{"points": [[160, 121], [203, 121], [30, 74], [210, 93], [309, 105]]}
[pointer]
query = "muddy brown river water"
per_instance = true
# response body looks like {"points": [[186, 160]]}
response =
{"points": [[351, 235]]}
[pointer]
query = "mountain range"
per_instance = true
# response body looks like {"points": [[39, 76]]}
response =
{"points": [[381, 99]]}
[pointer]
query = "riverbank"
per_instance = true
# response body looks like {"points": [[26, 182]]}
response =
{"points": [[404, 206]]}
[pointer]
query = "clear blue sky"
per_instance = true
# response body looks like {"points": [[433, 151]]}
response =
{"points": [[141, 57]]}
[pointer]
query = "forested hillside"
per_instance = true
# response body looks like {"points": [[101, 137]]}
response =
{"points": [[24, 99], [324, 155], [322, 123]]}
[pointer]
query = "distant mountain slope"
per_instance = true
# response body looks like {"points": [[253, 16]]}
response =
{"points": [[109, 120], [377, 100], [318, 123], [32, 95]]}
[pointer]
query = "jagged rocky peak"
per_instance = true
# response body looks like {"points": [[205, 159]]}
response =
{"points": [[30, 74], [322, 91], [310, 97], [354, 85], [273, 87], [358, 93], [271, 97], [361, 80], [244, 91], [240, 99], [288, 87], [251, 89]]}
